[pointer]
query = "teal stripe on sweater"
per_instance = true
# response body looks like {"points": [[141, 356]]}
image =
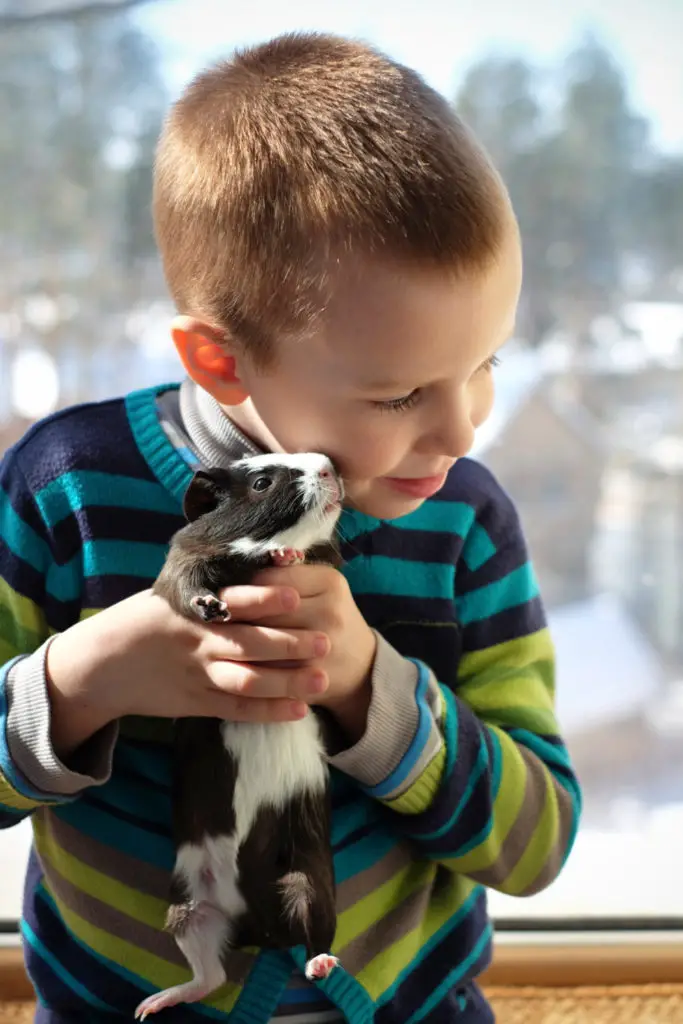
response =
{"points": [[81, 488], [113, 831], [123, 558], [438, 517], [477, 770], [478, 548], [105, 558], [153, 761], [432, 942], [53, 963], [378, 574], [454, 517], [21, 540], [362, 855], [354, 816], [121, 795], [511, 591], [453, 977]]}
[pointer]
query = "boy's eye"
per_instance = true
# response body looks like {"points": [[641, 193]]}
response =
{"points": [[490, 363], [399, 404]]}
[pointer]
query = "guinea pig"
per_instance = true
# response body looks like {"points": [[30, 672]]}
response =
{"points": [[251, 806]]}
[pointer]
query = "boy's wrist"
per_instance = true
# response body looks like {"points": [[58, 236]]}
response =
{"points": [[75, 716], [351, 711]]}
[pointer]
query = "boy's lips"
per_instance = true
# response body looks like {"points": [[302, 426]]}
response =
{"points": [[417, 487]]}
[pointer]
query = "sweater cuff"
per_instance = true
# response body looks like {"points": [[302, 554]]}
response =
{"points": [[402, 735], [28, 735]]}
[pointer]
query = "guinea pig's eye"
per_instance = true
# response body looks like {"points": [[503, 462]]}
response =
{"points": [[262, 483]]}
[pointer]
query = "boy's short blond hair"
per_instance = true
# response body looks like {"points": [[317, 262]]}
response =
{"points": [[296, 154]]}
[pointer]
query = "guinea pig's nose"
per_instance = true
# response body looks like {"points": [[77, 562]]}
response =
{"points": [[325, 474]]}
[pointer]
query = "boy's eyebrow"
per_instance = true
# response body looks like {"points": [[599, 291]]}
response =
{"points": [[389, 384]]}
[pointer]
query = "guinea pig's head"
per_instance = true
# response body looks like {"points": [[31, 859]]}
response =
{"points": [[265, 502]]}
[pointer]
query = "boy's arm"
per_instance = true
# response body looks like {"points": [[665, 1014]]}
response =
{"points": [[31, 774], [480, 779]]}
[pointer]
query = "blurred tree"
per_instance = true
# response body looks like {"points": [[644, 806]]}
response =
{"points": [[575, 157], [659, 224], [81, 101]]}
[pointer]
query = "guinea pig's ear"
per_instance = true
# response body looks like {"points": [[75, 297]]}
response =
{"points": [[202, 496]]}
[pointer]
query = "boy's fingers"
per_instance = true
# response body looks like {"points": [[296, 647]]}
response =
{"points": [[261, 683], [255, 709], [259, 643], [249, 603]]}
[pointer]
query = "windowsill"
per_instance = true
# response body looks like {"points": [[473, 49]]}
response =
{"points": [[534, 959], [566, 959]]}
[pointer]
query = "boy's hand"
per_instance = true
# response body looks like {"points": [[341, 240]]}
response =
{"points": [[327, 607], [140, 658]]}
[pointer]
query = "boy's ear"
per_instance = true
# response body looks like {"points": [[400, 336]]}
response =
{"points": [[201, 496], [207, 359]]}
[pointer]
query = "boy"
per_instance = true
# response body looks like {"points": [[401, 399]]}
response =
{"points": [[345, 264]]}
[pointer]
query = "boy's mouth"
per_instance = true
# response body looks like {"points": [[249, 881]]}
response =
{"points": [[417, 487]]}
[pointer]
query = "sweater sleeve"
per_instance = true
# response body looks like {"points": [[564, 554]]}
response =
{"points": [[478, 777], [31, 774]]}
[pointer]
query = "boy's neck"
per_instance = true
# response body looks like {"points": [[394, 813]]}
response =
{"points": [[216, 437], [247, 420]]}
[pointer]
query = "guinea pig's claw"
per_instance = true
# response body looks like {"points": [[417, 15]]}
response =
{"points": [[320, 966], [209, 608], [287, 556]]}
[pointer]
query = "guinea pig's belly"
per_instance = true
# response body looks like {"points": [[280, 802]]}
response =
{"points": [[275, 763]]}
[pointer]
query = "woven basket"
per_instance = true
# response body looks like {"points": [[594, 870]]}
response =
{"points": [[619, 1004]]}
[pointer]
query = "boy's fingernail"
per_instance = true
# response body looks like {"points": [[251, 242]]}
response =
{"points": [[320, 646], [299, 709], [317, 684]]}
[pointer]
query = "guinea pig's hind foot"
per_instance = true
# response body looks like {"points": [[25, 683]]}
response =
{"points": [[320, 967], [202, 932], [192, 992], [208, 608]]}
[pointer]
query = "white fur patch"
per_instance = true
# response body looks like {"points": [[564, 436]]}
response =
{"points": [[307, 462], [210, 872], [297, 895], [276, 761], [315, 527]]}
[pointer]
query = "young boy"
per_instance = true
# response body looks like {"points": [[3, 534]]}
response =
{"points": [[345, 264]]}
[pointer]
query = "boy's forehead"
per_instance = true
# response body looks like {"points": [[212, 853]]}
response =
{"points": [[386, 324]]}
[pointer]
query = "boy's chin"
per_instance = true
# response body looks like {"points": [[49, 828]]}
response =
{"points": [[380, 503]]}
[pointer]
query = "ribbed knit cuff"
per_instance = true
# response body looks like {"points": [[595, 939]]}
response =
{"points": [[401, 735], [28, 735]]}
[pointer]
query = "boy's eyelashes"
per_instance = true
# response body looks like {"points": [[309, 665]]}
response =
{"points": [[409, 400], [398, 404]]}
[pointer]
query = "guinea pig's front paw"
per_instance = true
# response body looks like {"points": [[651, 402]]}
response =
{"points": [[287, 556], [209, 608], [320, 966]]}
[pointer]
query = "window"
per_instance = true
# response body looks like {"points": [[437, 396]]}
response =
{"points": [[580, 107]]}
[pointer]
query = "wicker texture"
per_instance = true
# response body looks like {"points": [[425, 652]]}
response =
{"points": [[621, 1004], [633, 1004], [16, 1013]]}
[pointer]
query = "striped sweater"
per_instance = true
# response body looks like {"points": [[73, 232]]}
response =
{"points": [[460, 781]]}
